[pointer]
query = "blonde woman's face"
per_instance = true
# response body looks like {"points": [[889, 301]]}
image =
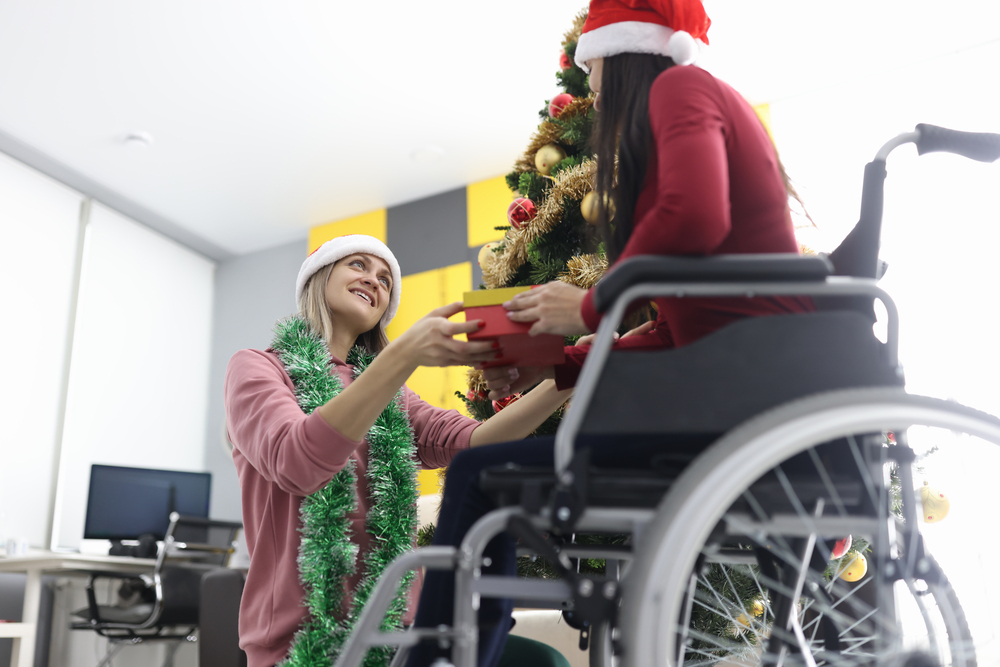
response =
{"points": [[358, 290]]}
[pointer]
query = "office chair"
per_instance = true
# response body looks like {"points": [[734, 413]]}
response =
{"points": [[168, 604]]}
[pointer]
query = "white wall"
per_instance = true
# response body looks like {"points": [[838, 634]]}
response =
{"points": [[941, 232], [252, 293], [39, 221], [139, 374], [942, 212]]}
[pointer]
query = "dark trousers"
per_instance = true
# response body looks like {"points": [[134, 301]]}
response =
{"points": [[464, 503]]}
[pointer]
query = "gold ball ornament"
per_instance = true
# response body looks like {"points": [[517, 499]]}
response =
{"points": [[756, 609], [547, 157], [486, 253], [935, 504], [588, 207], [855, 567]]}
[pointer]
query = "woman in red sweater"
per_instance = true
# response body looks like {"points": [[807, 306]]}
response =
{"points": [[697, 175], [326, 438]]}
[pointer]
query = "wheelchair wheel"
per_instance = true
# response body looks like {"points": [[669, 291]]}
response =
{"points": [[756, 517]]}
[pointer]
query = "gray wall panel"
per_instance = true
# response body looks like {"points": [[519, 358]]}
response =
{"points": [[477, 273], [429, 233], [252, 292]]}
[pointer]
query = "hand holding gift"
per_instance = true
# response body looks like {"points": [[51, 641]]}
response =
{"points": [[517, 345], [552, 308]]}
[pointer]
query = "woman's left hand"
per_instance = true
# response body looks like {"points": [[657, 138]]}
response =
{"points": [[640, 330], [553, 307]]}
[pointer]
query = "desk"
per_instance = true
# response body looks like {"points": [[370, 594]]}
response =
{"points": [[46, 562]]}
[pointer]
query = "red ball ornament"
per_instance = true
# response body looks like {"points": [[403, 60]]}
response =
{"points": [[520, 212], [558, 103], [504, 402], [564, 62], [841, 547]]}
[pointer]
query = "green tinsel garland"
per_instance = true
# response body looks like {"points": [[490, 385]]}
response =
{"points": [[326, 554]]}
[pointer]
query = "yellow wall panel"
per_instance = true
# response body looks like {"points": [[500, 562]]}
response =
{"points": [[372, 224], [428, 482], [423, 292], [764, 113], [486, 208]]}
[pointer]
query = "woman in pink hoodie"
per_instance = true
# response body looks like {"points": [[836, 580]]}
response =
{"points": [[302, 417]]}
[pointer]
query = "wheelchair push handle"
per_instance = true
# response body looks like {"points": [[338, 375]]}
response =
{"points": [[981, 146]]}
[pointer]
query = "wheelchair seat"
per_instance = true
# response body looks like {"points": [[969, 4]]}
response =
{"points": [[730, 375]]}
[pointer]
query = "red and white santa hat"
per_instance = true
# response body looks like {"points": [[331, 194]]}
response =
{"points": [[352, 244], [675, 28]]}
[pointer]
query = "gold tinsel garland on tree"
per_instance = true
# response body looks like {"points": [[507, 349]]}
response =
{"points": [[550, 132], [585, 270], [573, 183]]}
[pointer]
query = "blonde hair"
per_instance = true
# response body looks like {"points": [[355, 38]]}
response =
{"points": [[314, 309]]}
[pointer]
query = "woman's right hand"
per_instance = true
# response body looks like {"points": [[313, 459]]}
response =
{"points": [[431, 342]]}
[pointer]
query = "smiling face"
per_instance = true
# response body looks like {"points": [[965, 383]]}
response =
{"points": [[358, 291]]}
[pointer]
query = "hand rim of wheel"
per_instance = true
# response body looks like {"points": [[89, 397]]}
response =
{"points": [[687, 514]]}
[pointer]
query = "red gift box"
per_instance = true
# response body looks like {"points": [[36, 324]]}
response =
{"points": [[517, 346]]}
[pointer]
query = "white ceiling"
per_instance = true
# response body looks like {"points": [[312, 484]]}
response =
{"points": [[268, 118]]}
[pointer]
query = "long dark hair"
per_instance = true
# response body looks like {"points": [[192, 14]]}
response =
{"points": [[622, 134]]}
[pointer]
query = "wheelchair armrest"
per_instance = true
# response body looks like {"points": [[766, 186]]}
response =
{"points": [[776, 267]]}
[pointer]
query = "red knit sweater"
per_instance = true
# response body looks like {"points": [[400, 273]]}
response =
{"points": [[712, 188]]}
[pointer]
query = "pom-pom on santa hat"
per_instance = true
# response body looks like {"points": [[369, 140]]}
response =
{"points": [[352, 244], [675, 28]]}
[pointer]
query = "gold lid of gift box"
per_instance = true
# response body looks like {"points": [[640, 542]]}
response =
{"points": [[491, 297]]}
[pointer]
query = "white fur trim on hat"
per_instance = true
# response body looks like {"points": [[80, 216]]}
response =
{"points": [[636, 37], [352, 244]]}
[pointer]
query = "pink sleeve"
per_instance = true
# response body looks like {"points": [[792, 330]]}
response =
{"points": [[298, 452], [438, 433]]}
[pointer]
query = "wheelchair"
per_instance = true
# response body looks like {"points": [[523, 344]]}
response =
{"points": [[808, 440]]}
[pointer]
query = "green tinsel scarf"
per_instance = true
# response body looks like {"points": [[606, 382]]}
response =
{"points": [[326, 554]]}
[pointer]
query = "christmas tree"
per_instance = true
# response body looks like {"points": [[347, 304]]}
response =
{"points": [[548, 237]]}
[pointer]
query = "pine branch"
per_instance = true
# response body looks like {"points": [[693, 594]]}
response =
{"points": [[575, 129], [534, 186], [425, 536], [567, 163], [479, 409], [573, 80], [543, 271], [513, 180]]}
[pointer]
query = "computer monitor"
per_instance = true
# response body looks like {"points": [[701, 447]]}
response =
{"points": [[126, 503]]}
